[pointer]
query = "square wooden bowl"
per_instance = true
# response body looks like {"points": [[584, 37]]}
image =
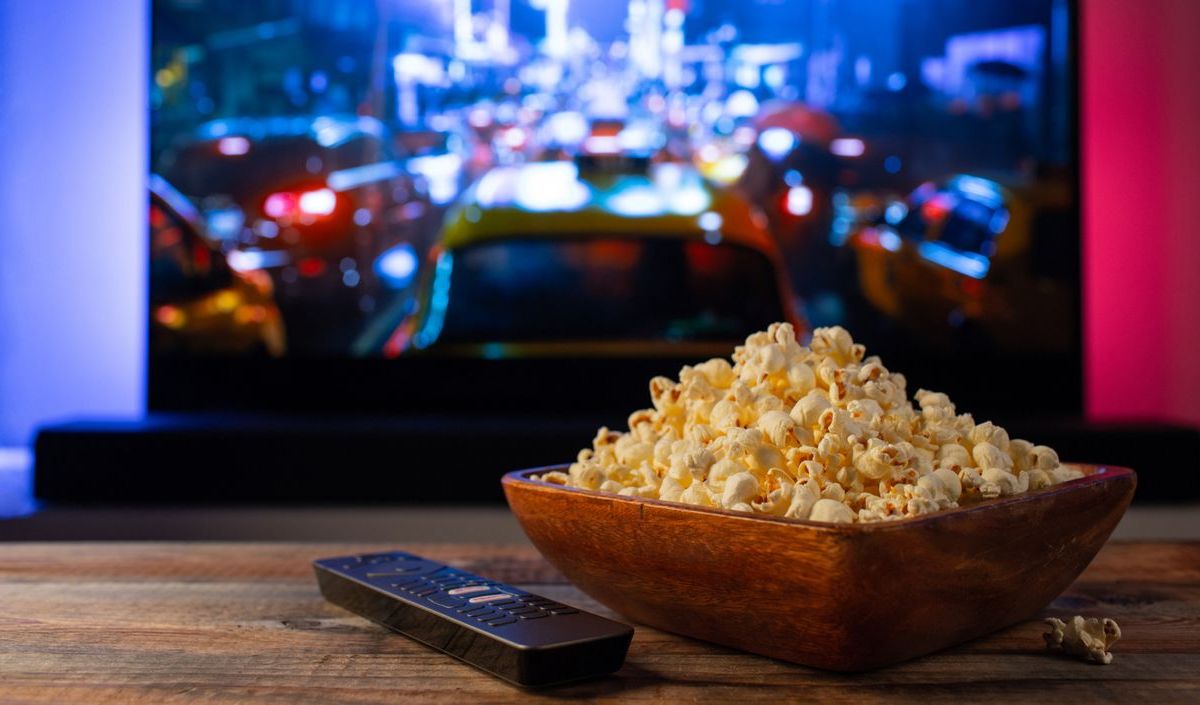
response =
{"points": [[845, 597]]}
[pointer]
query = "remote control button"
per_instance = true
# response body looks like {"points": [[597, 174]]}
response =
{"points": [[502, 622], [404, 584], [533, 615], [525, 610], [468, 589], [398, 569], [476, 610], [398, 578], [489, 598], [426, 592], [489, 615], [447, 600], [564, 610]]}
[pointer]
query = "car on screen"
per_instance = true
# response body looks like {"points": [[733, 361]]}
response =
{"points": [[551, 259], [199, 304], [309, 197], [994, 261]]}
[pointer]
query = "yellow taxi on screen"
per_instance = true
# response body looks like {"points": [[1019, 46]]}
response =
{"points": [[613, 257]]}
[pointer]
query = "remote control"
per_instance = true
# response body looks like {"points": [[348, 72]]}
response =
{"points": [[520, 637]]}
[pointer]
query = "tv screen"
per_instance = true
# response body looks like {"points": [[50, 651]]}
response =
{"points": [[345, 191]]}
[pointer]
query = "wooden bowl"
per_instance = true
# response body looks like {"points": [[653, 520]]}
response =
{"points": [[845, 597]]}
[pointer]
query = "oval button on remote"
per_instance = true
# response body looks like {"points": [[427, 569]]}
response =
{"points": [[491, 598], [446, 600], [469, 589]]}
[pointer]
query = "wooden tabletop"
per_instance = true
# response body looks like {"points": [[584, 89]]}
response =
{"points": [[223, 623]]}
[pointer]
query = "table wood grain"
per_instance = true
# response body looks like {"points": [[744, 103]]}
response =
{"points": [[226, 623]]}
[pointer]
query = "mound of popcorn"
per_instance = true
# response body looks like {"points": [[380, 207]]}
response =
{"points": [[821, 432]]}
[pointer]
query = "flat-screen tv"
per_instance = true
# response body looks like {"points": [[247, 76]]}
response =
{"points": [[530, 206]]}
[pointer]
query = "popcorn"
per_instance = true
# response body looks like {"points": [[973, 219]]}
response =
{"points": [[987, 455], [832, 511], [881, 460], [991, 434], [739, 489], [777, 427], [822, 433], [1000, 483], [810, 407], [697, 493], [779, 494], [1088, 639], [804, 498]]}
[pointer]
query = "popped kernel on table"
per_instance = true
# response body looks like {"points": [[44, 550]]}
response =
{"points": [[1085, 638], [819, 432], [243, 622]]}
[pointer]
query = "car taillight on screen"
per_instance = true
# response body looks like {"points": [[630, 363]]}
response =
{"points": [[293, 204], [798, 201]]}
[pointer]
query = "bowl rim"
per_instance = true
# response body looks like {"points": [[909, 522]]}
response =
{"points": [[1098, 474]]}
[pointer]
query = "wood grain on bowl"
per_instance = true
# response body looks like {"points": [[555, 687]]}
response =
{"points": [[846, 597]]}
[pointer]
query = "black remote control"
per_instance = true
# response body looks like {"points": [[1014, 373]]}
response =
{"points": [[523, 638]]}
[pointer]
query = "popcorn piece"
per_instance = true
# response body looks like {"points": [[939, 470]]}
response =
{"points": [[1037, 479], [1043, 458], [1063, 474], [721, 471], [739, 489], [942, 486], [833, 491], [777, 427], [808, 410], [1089, 639], [803, 500], [951, 483], [690, 457], [611, 486], [880, 460], [989, 433], [698, 493], [819, 432], [987, 455], [832, 511], [671, 489], [1000, 483], [801, 378], [1022, 454], [953, 456], [779, 494]]}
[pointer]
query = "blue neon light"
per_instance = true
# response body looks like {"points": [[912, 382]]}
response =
{"points": [[967, 263], [439, 301]]}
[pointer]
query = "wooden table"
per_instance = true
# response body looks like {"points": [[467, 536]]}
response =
{"points": [[221, 623]]}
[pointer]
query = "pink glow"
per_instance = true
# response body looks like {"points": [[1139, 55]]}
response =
{"points": [[1141, 156]]}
